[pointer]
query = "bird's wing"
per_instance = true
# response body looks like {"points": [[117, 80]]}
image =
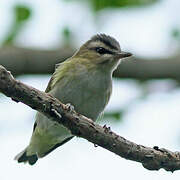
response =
{"points": [[57, 65], [49, 87]]}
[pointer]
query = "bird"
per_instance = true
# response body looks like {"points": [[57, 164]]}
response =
{"points": [[83, 80]]}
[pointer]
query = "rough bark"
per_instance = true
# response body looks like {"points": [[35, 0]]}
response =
{"points": [[28, 61], [151, 158]]}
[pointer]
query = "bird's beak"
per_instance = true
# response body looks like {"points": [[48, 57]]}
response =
{"points": [[122, 54]]}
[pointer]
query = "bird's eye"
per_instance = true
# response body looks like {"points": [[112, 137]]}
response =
{"points": [[101, 50]]}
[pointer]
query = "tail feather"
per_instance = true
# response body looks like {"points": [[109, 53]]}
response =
{"points": [[32, 159], [22, 157]]}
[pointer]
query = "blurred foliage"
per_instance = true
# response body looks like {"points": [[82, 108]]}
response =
{"points": [[21, 15], [67, 35], [116, 116], [102, 4], [176, 33]]}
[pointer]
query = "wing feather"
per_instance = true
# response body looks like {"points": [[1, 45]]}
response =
{"points": [[49, 86]]}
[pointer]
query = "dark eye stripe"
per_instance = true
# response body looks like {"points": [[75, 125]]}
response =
{"points": [[102, 50]]}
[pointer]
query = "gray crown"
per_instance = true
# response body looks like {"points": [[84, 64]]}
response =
{"points": [[107, 40]]}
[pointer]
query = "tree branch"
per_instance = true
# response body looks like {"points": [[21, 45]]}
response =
{"points": [[151, 158], [30, 61]]}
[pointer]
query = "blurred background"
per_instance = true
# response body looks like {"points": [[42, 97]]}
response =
{"points": [[144, 108]]}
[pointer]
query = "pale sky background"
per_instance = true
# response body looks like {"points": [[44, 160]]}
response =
{"points": [[150, 121]]}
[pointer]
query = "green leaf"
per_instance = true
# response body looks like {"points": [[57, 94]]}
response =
{"points": [[98, 5], [102, 4], [67, 37], [176, 33], [66, 32], [115, 115], [22, 13]]}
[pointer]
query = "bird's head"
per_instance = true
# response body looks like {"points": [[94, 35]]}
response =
{"points": [[102, 50]]}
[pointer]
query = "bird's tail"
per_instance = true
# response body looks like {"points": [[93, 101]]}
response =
{"points": [[22, 157]]}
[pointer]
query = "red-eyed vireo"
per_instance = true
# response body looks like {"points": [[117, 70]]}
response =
{"points": [[85, 81]]}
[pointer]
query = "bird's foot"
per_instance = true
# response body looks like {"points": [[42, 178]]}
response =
{"points": [[69, 107]]}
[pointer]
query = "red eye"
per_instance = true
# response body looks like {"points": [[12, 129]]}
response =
{"points": [[102, 50]]}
